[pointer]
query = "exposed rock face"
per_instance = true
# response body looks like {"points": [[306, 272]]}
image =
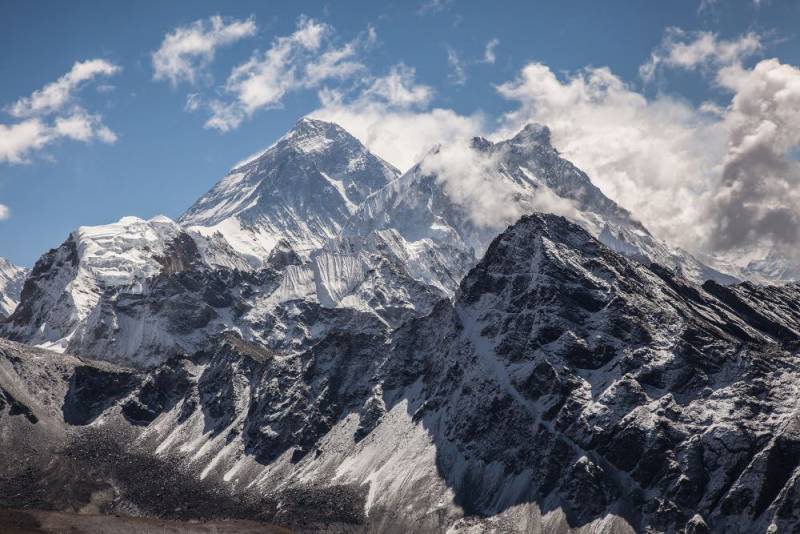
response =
{"points": [[564, 387]]}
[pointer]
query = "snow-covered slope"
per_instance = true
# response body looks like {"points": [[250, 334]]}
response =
{"points": [[137, 292], [83, 294], [763, 266], [301, 190], [437, 205], [566, 388], [11, 279]]}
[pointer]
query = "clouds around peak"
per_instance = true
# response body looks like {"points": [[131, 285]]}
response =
{"points": [[715, 180], [393, 117], [680, 49], [52, 113], [187, 50]]}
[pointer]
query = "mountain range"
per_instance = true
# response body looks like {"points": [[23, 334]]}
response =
{"points": [[324, 342]]}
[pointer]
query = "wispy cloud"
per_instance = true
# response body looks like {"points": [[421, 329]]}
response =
{"points": [[398, 89], [5, 212], [431, 7], [489, 55], [187, 50], [51, 113], [56, 95], [304, 59], [458, 72], [698, 50]]}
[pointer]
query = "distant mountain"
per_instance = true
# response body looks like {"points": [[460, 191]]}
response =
{"points": [[11, 280], [315, 222], [564, 388], [301, 190]]}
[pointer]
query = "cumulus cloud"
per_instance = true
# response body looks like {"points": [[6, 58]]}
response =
{"points": [[5, 212], [713, 179], [758, 200], [393, 118], [188, 49], [698, 50], [58, 94], [50, 114], [303, 60], [18, 141]]}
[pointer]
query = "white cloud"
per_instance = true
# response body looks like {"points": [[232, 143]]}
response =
{"points": [[5, 212], [655, 157], [55, 96], [391, 117], [758, 201], [458, 73], [188, 49], [693, 50], [50, 114], [489, 55], [303, 60], [711, 179], [18, 141], [399, 89], [472, 180]]}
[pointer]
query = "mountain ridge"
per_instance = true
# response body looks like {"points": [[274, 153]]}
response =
{"points": [[565, 386], [132, 291]]}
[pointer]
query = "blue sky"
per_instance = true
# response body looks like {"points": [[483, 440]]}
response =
{"points": [[164, 156]]}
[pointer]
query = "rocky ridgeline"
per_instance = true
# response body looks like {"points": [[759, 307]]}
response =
{"points": [[564, 386]]}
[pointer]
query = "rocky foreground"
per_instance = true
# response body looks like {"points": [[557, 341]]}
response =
{"points": [[564, 388]]}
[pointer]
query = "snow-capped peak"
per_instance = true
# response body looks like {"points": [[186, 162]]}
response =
{"points": [[533, 133], [301, 189]]}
